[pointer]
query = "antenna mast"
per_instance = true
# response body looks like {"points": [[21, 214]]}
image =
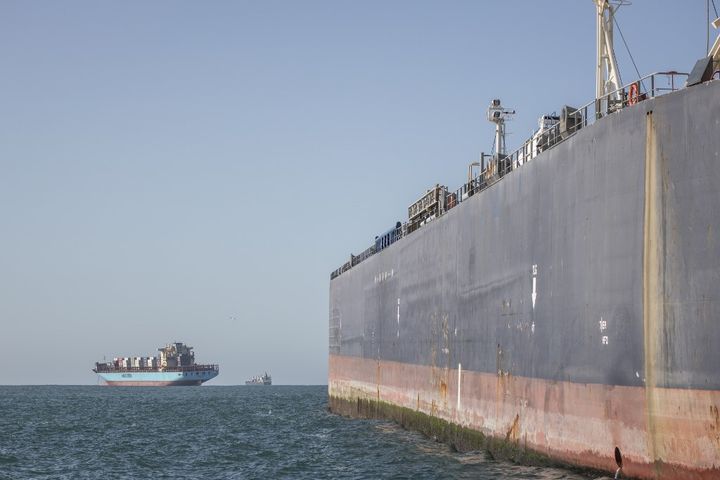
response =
{"points": [[607, 77], [498, 114]]}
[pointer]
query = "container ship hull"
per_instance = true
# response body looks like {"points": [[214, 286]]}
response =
{"points": [[566, 310], [156, 379]]}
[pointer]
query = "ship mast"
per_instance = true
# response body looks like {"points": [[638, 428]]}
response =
{"points": [[498, 115], [607, 78]]}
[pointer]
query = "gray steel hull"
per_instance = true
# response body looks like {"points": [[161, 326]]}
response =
{"points": [[617, 232]]}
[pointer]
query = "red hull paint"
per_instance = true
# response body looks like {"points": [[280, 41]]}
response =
{"points": [[662, 433]]}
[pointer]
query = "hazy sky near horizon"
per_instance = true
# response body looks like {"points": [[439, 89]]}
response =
{"points": [[193, 171]]}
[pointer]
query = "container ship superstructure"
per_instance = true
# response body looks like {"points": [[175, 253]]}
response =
{"points": [[173, 366], [563, 303]]}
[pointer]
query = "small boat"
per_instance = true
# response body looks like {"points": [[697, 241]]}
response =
{"points": [[260, 380]]}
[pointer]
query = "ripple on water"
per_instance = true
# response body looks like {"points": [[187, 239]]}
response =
{"points": [[218, 432]]}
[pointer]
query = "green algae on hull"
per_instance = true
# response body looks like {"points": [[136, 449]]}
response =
{"points": [[459, 438]]}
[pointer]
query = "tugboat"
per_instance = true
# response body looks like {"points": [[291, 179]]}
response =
{"points": [[260, 380]]}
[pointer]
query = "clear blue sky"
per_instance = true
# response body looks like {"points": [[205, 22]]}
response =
{"points": [[194, 170]]}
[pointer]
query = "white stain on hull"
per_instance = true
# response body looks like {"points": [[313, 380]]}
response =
{"points": [[534, 283], [458, 388]]}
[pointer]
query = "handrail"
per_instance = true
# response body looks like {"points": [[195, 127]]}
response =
{"points": [[540, 141], [603, 106]]}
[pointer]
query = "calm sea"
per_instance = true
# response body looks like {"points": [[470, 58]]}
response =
{"points": [[216, 433]]}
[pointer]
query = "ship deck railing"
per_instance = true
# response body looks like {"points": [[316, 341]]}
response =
{"points": [[109, 368], [649, 86]]}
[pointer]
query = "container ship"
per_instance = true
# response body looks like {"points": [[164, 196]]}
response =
{"points": [[563, 305], [260, 380], [173, 366]]}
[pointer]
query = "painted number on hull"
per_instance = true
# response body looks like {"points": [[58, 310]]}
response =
{"points": [[383, 276], [603, 326]]}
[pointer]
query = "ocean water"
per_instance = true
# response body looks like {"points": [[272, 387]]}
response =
{"points": [[77, 432]]}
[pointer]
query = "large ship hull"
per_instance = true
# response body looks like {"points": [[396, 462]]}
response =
{"points": [[156, 379], [568, 309]]}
